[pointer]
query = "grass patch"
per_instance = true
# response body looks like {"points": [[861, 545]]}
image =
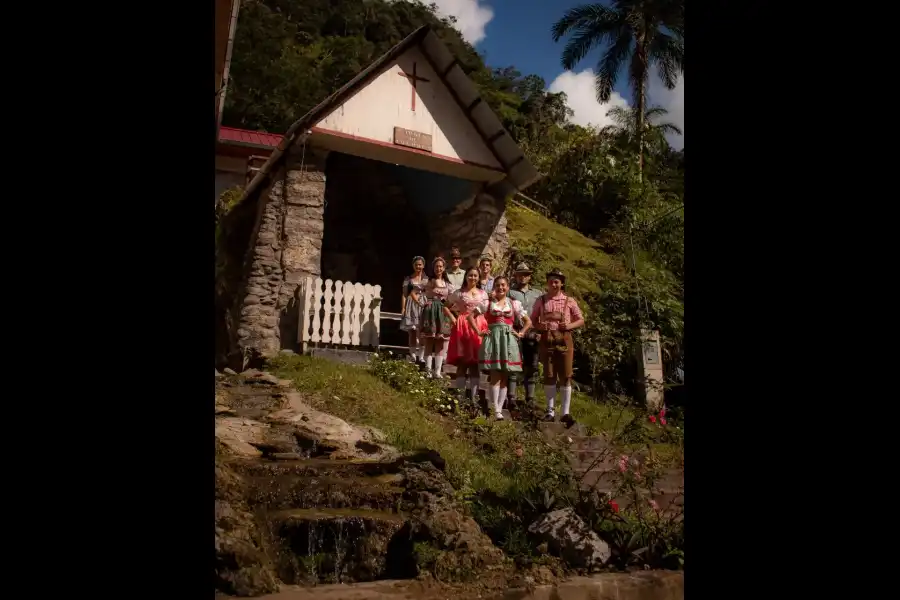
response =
{"points": [[600, 418], [357, 396]]}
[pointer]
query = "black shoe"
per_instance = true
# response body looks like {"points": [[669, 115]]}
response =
{"points": [[568, 420], [548, 418]]}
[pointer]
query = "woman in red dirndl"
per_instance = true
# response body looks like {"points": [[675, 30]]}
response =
{"points": [[464, 341]]}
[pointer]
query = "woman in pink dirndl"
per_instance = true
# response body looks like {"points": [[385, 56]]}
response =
{"points": [[464, 341]]}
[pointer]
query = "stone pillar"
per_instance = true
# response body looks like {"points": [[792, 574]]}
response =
{"points": [[304, 227], [651, 370], [287, 247], [476, 226]]}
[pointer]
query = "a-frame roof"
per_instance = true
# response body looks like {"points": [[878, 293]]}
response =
{"points": [[507, 156]]}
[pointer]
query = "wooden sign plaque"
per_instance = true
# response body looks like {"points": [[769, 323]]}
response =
{"points": [[412, 139]]}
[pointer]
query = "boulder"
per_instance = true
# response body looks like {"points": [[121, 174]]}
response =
{"points": [[239, 435], [570, 537], [343, 440]]}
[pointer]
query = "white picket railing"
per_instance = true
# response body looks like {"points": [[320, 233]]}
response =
{"points": [[339, 313]]}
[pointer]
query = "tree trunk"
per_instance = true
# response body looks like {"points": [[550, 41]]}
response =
{"points": [[641, 92]]}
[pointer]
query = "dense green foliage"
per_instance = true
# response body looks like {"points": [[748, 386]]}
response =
{"points": [[291, 54]]}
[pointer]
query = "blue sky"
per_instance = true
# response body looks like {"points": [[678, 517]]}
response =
{"points": [[517, 33], [521, 36]]}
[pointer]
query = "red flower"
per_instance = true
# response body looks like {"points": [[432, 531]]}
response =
{"points": [[614, 506], [652, 418], [663, 420], [662, 413]]}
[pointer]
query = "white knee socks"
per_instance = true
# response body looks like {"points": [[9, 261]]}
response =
{"points": [[421, 351], [474, 385], [500, 402], [566, 399], [494, 397], [428, 362], [438, 366], [550, 391]]}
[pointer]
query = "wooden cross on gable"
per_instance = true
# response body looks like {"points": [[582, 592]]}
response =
{"points": [[413, 78]]}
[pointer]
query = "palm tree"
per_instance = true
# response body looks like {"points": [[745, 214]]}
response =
{"points": [[639, 32], [624, 130]]}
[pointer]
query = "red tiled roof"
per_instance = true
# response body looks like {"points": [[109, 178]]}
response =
{"points": [[245, 136]]}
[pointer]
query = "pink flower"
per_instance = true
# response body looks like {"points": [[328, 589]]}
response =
{"points": [[623, 463], [662, 413], [652, 418], [663, 420], [654, 505]]}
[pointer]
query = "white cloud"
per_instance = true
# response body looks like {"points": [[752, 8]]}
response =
{"points": [[582, 99], [673, 101], [471, 16]]}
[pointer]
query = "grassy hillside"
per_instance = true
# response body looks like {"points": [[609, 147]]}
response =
{"points": [[546, 244], [360, 397]]}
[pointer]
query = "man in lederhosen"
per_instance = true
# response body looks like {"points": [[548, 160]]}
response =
{"points": [[555, 315], [527, 295]]}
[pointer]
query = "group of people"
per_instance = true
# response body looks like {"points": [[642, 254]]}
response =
{"points": [[480, 323]]}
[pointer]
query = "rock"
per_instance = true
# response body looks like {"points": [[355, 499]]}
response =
{"points": [[569, 536], [218, 375], [221, 409], [228, 371], [285, 383], [325, 431], [242, 568], [264, 379], [467, 553], [239, 435]]}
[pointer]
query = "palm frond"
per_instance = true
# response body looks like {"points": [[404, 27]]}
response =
{"points": [[578, 47], [581, 16], [609, 65], [654, 111], [668, 53], [666, 128]]}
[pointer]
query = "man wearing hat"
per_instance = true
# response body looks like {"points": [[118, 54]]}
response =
{"points": [[555, 315], [522, 291], [455, 273], [485, 263]]}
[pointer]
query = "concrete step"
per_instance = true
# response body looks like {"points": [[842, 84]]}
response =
{"points": [[592, 442], [600, 457], [552, 429]]}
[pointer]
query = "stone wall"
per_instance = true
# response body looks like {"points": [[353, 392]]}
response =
{"points": [[476, 226], [287, 247]]}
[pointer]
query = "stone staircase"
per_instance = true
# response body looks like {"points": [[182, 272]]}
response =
{"points": [[590, 456]]}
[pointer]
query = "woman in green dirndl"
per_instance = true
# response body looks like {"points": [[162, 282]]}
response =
{"points": [[500, 354], [437, 320]]}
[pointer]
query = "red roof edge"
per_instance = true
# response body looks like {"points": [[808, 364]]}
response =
{"points": [[246, 137]]}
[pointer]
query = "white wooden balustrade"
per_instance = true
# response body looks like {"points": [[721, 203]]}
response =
{"points": [[339, 313]]}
